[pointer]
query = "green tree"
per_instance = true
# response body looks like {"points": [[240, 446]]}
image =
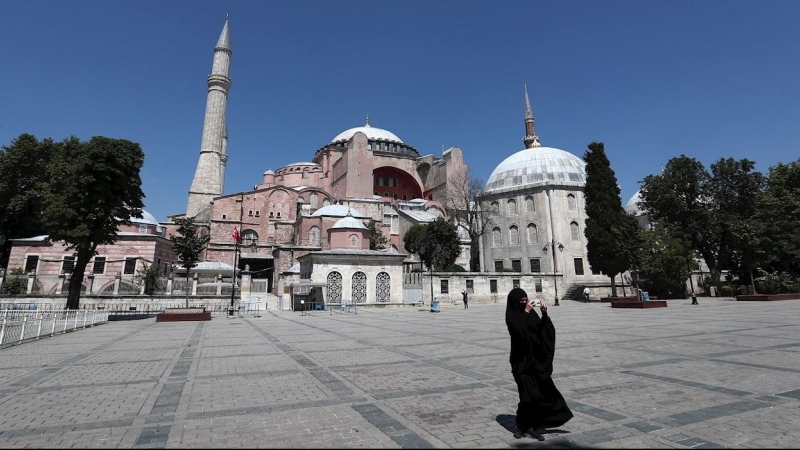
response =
{"points": [[94, 188], [23, 180], [679, 197], [188, 246], [412, 240], [440, 246], [377, 240], [150, 275], [465, 204], [714, 209], [777, 215], [607, 224], [662, 258], [733, 190]]}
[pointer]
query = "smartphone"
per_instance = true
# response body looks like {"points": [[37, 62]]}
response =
{"points": [[537, 302]]}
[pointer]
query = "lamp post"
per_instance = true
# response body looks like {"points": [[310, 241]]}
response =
{"points": [[553, 244]]}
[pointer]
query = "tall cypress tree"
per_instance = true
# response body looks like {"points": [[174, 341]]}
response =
{"points": [[607, 245]]}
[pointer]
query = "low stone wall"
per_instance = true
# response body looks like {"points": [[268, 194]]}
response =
{"points": [[621, 299], [635, 304], [767, 297]]}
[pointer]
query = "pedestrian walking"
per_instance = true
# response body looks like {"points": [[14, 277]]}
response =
{"points": [[586, 294], [533, 341], [464, 294]]}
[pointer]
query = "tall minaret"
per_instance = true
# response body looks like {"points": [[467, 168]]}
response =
{"points": [[209, 178], [531, 140]]}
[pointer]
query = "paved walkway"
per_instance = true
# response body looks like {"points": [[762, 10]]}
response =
{"points": [[721, 374]]}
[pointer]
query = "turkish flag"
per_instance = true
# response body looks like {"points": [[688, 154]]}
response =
{"points": [[236, 238]]}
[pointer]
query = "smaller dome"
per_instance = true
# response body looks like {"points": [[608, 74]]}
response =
{"points": [[372, 133], [269, 172], [632, 207], [146, 218], [338, 211], [350, 223]]}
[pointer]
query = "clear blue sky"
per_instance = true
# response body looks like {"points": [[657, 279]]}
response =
{"points": [[652, 80]]}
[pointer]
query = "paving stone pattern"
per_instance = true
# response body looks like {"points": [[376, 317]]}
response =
{"points": [[720, 374]]}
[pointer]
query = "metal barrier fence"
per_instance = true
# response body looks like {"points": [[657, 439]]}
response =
{"points": [[343, 307], [19, 326], [219, 307]]}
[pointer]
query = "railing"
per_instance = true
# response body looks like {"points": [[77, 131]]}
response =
{"points": [[20, 326], [343, 307]]}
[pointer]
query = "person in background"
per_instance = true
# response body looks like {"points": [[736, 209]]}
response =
{"points": [[464, 294], [586, 294], [533, 342]]}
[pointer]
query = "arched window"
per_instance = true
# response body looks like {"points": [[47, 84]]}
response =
{"points": [[353, 240], [529, 206], [533, 234], [383, 288], [313, 236], [571, 204], [249, 237], [326, 202], [313, 200], [497, 238], [359, 287], [334, 287], [512, 207], [495, 207], [513, 235], [573, 228]]}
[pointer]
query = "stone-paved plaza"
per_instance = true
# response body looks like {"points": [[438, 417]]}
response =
{"points": [[721, 374]]}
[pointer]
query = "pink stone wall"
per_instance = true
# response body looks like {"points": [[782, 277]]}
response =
{"points": [[340, 238], [153, 249]]}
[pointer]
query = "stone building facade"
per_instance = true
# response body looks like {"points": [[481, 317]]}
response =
{"points": [[138, 245], [288, 212], [538, 210]]}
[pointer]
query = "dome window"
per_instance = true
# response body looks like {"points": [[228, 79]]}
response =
{"points": [[513, 235], [571, 204], [574, 231], [512, 207], [533, 234], [529, 205], [495, 207], [497, 238]]}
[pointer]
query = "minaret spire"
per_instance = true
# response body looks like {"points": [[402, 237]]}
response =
{"points": [[209, 177], [531, 140]]}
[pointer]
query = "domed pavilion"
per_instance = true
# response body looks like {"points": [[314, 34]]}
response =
{"points": [[537, 199]]}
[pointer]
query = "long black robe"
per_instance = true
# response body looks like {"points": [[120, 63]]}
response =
{"points": [[533, 342]]}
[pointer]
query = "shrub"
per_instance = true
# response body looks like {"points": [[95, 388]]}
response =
{"points": [[776, 283], [15, 283]]}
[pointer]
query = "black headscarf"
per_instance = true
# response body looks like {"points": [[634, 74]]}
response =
{"points": [[533, 339]]}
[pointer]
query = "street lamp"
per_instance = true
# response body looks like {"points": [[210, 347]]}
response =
{"points": [[554, 244]]}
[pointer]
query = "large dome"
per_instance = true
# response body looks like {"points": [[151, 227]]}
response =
{"points": [[372, 133], [632, 207], [537, 165]]}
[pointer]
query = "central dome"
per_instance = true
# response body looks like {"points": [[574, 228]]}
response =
{"points": [[537, 165], [372, 133]]}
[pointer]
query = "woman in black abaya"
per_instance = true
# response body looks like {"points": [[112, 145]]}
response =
{"points": [[533, 342]]}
